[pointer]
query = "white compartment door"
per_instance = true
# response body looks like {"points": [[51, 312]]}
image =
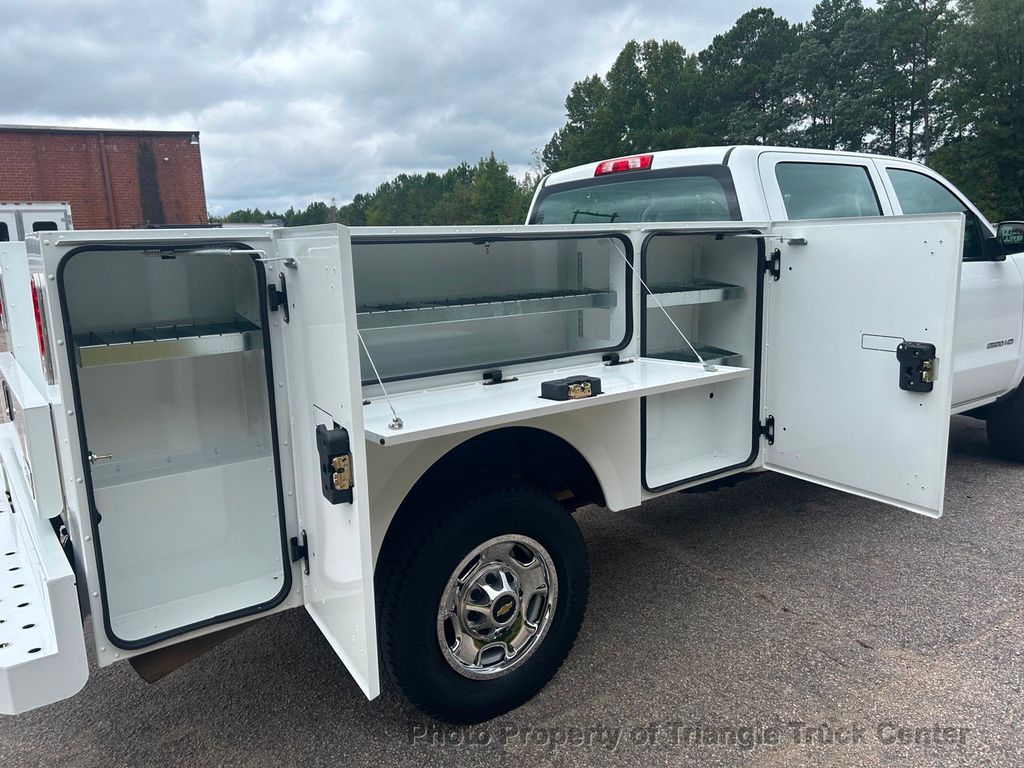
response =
{"points": [[322, 351], [8, 227], [43, 220], [850, 292]]}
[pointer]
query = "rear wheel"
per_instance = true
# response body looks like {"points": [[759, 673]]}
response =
{"points": [[480, 605], [1005, 423]]}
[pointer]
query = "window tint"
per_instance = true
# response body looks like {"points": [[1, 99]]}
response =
{"points": [[5, 233], [44, 226], [826, 191], [668, 198], [918, 193]]}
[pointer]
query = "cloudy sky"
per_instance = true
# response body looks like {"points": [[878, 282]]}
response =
{"points": [[320, 99]]}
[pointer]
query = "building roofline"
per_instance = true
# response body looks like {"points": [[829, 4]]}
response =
{"points": [[107, 131]]}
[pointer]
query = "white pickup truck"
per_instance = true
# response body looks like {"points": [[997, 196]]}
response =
{"points": [[756, 183], [391, 427]]}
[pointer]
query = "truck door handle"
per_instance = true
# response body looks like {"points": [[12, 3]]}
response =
{"points": [[94, 457]]}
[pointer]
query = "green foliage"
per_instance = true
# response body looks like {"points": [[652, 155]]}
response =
{"points": [[742, 80], [828, 78], [984, 150], [931, 80], [486, 193], [650, 99]]}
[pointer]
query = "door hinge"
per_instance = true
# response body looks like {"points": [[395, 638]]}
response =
{"points": [[278, 297], [768, 430], [301, 552], [773, 264]]}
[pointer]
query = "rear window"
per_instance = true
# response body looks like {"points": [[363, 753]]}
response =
{"points": [[826, 191], [640, 196], [5, 233], [44, 226]]}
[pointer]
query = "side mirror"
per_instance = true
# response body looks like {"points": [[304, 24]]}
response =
{"points": [[994, 249], [1011, 236]]}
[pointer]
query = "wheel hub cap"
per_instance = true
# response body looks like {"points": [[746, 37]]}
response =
{"points": [[497, 606]]}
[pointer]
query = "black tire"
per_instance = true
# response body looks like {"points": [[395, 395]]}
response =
{"points": [[1005, 425], [414, 572]]}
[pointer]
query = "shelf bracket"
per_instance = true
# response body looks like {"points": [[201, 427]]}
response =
{"points": [[496, 377], [612, 358]]}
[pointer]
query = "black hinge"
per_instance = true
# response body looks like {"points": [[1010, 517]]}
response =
{"points": [[768, 430], [773, 264], [301, 552], [278, 298]]}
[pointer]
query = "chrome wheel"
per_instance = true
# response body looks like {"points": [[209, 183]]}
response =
{"points": [[497, 606]]}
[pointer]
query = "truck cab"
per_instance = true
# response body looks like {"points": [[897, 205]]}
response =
{"points": [[757, 183]]}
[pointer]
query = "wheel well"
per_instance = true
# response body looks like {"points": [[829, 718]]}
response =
{"points": [[510, 454]]}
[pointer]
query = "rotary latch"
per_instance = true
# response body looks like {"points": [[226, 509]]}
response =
{"points": [[917, 366], [335, 463]]}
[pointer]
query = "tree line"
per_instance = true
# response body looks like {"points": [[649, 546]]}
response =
{"points": [[929, 80], [485, 193], [937, 81]]}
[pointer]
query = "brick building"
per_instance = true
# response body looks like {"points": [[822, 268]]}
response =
{"points": [[113, 179]]}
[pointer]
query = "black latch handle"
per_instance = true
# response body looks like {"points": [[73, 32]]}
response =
{"points": [[917, 366], [335, 463]]}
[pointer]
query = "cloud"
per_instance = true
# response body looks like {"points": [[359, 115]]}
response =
{"points": [[319, 99]]}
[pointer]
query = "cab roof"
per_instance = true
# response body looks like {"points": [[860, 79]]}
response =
{"points": [[681, 158]]}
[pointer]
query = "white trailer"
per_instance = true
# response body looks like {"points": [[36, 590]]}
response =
{"points": [[230, 424], [18, 220]]}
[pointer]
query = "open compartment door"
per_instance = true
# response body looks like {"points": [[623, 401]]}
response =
{"points": [[858, 365], [312, 288]]}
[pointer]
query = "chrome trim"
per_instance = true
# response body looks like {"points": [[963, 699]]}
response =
{"points": [[497, 607]]}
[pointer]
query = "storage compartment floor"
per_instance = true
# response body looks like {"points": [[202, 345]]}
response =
{"points": [[681, 471], [195, 608], [189, 546]]}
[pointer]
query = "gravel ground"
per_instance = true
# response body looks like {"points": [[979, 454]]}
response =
{"points": [[716, 621]]}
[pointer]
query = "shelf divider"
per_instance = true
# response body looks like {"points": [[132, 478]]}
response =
{"points": [[376, 316], [710, 354], [697, 291], [165, 342]]}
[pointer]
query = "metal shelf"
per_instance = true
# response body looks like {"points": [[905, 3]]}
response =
{"points": [[373, 316], [473, 405], [710, 354], [696, 291], [164, 342]]}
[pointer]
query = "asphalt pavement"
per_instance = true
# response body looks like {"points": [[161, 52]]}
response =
{"points": [[776, 623]]}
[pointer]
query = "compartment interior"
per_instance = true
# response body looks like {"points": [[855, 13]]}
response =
{"points": [[428, 306], [709, 288], [172, 379]]}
